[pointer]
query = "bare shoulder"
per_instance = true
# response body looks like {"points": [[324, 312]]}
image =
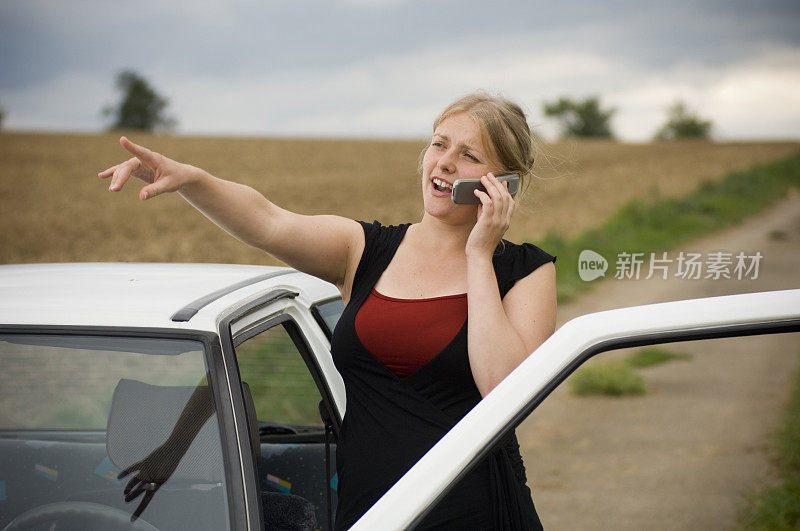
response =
{"points": [[538, 287]]}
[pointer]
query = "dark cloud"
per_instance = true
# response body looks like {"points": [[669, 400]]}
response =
{"points": [[40, 41], [215, 44]]}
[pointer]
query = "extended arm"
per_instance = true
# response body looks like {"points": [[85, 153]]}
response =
{"points": [[324, 246], [319, 245]]}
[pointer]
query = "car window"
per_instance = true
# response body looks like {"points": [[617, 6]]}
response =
{"points": [[292, 450], [75, 411], [281, 385], [327, 314]]}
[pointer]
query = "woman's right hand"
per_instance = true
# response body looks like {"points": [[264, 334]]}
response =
{"points": [[328, 247], [161, 174]]}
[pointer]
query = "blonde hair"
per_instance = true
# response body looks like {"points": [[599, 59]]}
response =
{"points": [[505, 132]]}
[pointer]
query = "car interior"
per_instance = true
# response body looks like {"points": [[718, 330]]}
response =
{"points": [[70, 474]]}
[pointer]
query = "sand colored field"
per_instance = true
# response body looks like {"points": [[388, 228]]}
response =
{"points": [[54, 208]]}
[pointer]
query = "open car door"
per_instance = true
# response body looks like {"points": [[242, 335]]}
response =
{"points": [[417, 492]]}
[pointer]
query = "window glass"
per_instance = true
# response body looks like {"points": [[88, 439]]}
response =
{"points": [[292, 454], [329, 313], [75, 411], [282, 387]]}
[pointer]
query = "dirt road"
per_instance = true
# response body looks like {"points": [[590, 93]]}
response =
{"points": [[681, 456]]}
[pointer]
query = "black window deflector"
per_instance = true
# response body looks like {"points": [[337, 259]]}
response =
{"points": [[189, 311], [271, 297], [324, 313]]}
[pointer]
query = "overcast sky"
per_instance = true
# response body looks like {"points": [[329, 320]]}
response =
{"points": [[386, 67]]}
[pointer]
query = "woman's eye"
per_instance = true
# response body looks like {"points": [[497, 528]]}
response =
{"points": [[437, 144], [471, 157]]}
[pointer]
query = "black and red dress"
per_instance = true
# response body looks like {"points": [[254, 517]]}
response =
{"points": [[398, 409]]}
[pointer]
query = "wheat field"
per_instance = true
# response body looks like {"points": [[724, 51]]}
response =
{"points": [[53, 207]]}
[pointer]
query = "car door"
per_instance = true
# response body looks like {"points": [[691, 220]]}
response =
{"points": [[287, 413], [406, 503], [78, 405]]}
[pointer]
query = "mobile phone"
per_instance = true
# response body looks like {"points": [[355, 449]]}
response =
{"points": [[464, 189]]}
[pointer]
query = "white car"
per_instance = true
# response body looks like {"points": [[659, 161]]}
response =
{"points": [[213, 386]]}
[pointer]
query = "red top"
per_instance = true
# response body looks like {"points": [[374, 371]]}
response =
{"points": [[405, 334]]}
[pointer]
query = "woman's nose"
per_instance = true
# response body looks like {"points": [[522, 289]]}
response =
{"points": [[446, 162]]}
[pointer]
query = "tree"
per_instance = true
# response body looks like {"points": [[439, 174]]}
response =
{"points": [[2, 116], [581, 118], [141, 106], [681, 123]]}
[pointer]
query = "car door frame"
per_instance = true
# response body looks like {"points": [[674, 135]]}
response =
{"points": [[274, 308]]}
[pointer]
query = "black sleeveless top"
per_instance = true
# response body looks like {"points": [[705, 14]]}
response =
{"points": [[391, 422]]}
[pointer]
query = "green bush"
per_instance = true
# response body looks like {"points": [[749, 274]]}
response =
{"points": [[778, 507], [683, 123], [610, 378], [648, 357]]}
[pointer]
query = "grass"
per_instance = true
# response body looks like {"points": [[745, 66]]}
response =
{"points": [[608, 378], [649, 357], [655, 226], [618, 377], [778, 507]]}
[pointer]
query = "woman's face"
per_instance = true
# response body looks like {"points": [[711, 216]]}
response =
{"points": [[455, 152]]}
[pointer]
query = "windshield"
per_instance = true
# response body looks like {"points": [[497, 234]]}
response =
{"points": [[76, 411]]}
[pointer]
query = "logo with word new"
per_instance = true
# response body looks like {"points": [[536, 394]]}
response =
{"points": [[591, 265]]}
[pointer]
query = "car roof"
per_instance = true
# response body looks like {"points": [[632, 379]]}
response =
{"points": [[141, 294]]}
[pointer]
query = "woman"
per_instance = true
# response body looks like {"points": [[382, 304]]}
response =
{"points": [[438, 312]]}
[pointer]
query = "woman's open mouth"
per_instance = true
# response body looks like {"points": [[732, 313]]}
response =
{"points": [[442, 186]]}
